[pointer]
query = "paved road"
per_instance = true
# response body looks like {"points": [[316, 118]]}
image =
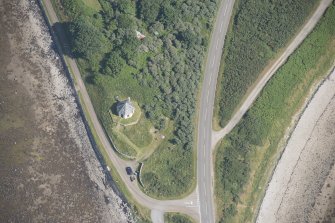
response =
{"points": [[206, 138], [308, 27], [188, 205], [204, 162]]}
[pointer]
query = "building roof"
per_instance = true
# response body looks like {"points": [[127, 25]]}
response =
{"points": [[125, 108]]}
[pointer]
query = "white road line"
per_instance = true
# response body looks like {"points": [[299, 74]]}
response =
{"points": [[217, 44], [210, 81], [212, 63], [207, 96], [221, 27], [225, 10]]}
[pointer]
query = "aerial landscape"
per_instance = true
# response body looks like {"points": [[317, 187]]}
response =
{"points": [[175, 111]]}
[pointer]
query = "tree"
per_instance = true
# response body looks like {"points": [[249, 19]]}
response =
{"points": [[149, 10], [113, 64], [130, 47], [126, 6], [87, 40]]}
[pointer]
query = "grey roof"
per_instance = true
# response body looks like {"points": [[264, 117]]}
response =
{"points": [[124, 108]]}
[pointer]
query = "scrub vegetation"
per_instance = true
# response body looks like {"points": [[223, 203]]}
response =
{"points": [[160, 72], [245, 159], [259, 29], [177, 218]]}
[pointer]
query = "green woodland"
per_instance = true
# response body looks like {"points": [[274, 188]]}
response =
{"points": [[247, 155], [259, 29], [161, 73]]}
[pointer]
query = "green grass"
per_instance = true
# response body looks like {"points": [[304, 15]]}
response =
{"points": [[245, 159], [123, 145], [164, 81], [166, 172], [93, 4], [258, 31], [139, 134], [177, 218]]}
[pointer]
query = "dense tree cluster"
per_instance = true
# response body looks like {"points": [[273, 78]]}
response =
{"points": [[260, 29], [168, 61]]}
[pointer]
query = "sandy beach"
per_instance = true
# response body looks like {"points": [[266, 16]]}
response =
{"points": [[49, 171], [303, 184]]}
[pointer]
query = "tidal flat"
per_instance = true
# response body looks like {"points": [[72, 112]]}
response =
{"points": [[48, 169]]}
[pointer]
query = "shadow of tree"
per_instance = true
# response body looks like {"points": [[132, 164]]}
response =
{"points": [[61, 29]]}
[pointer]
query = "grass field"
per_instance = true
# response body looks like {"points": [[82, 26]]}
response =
{"points": [[93, 4], [177, 218], [245, 159], [258, 31]]}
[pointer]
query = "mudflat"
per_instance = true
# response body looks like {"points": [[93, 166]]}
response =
{"points": [[302, 188], [48, 169]]}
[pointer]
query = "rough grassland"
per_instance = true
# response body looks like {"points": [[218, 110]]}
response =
{"points": [[245, 159], [177, 218], [259, 29]]}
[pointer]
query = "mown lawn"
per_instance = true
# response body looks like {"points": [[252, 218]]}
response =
{"points": [[247, 156]]}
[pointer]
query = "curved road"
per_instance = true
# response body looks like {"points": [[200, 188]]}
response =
{"points": [[204, 162], [200, 207], [190, 204]]}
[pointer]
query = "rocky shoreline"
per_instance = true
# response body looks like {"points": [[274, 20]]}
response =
{"points": [[49, 169]]}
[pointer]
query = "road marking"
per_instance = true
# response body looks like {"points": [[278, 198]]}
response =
{"points": [[213, 63], [221, 27], [225, 10], [210, 81], [217, 43]]}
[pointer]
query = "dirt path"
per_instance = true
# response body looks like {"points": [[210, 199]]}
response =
{"points": [[306, 167]]}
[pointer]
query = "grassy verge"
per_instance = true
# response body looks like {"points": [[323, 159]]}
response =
{"points": [[177, 218], [269, 26], [246, 158]]}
